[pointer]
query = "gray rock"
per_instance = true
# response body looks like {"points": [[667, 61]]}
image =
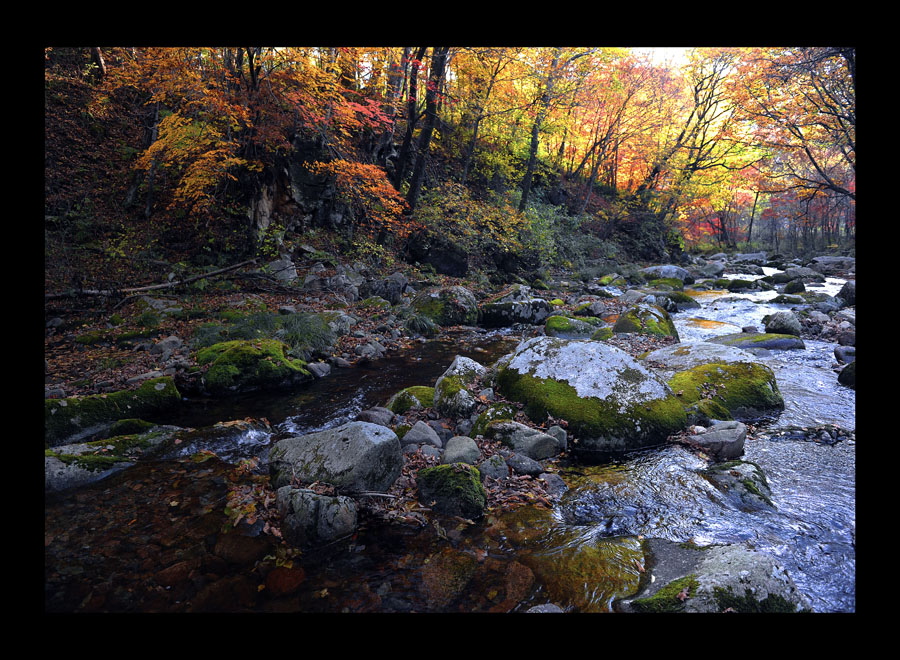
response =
{"points": [[524, 465], [376, 415], [546, 607], [461, 449], [283, 269], [358, 456], [726, 576], [555, 483], [848, 293], [504, 314], [687, 355], [758, 258], [420, 434], [319, 369], [525, 440], [723, 441], [561, 436], [845, 354], [667, 271], [451, 398], [784, 323], [494, 467], [311, 519]]}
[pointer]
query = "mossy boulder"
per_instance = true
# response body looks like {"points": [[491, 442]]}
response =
{"points": [[242, 365], [494, 412], [455, 489], [417, 396], [451, 396], [453, 305], [747, 390], [569, 328], [79, 464], [610, 400], [733, 578], [646, 319], [75, 418], [741, 481], [686, 355], [847, 376], [755, 340], [503, 314]]}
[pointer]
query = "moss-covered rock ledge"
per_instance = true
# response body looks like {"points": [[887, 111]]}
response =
{"points": [[72, 419], [243, 365]]}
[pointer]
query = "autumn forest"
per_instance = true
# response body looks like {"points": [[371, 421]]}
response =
{"points": [[554, 152]]}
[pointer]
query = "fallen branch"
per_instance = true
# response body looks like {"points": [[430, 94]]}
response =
{"points": [[141, 289]]}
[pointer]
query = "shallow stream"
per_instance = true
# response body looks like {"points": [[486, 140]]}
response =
{"points": [[107, 545]]}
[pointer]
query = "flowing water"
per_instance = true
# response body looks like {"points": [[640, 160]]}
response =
{"points": [[107, 545]]}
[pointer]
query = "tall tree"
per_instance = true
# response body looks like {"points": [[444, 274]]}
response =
{"points": [[435, 78]]}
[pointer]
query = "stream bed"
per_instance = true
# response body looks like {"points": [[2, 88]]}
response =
{"points": [[122, 544]]}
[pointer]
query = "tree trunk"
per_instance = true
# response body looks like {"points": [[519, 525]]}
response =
{"points": [[535, 130], [411, 119], [97, 58], [438, 61]]}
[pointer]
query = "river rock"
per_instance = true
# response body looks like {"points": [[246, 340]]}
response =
{"points": [[243, 365], [391, 288], [848, 292], [311, 519], [665, 272], [454, 305], [494, 467], [461, 449], [75, 418], [723, 441], [376, 415], [358, 456], [646, 319], [845, 354], [455, 489], [748, 391], [713, 579], [524, 440], [847, 377], [785, 323], [832, 265], [686, 355], [522, 464], [752, 341], [569, 328], [504, 314], [611, 401], [451, 398], [742, 482], [421, 433]]}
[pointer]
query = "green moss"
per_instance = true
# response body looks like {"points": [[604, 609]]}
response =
{"points": [[772, 603], [648, 320], [745, 389], [455, 487], [666, 600], [672, 282], [496, 412], [401, 430], [794, 286], [602, 334], [738, 285], [243, 365], [557, 302], [592, 418], [558, 324], [92, 462], [418, 396], [76, 416], [129, 426], [92, 337]]}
